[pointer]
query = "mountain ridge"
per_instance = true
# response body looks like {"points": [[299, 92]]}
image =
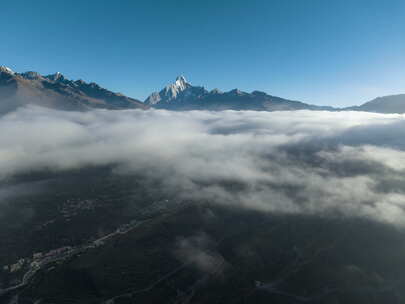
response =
{"points": [[394, 103], [198, 98], [58, 92], [189, 97]]}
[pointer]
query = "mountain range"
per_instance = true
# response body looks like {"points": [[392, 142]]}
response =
{"points": [[181, 95], [58, 92]]}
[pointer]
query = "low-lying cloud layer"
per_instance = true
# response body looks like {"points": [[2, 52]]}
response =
{"points": [[327, 163]]}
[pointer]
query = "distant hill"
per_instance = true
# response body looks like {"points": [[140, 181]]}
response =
{"points": [[384, 104], [55, 91]]}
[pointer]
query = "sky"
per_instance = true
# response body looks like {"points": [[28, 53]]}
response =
{"points": [[323, 52]]}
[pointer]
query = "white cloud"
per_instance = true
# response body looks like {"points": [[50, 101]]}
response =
{"points": [[304, 161]]}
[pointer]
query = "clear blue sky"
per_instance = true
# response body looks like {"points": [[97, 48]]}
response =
{"points": [[339, 52]]}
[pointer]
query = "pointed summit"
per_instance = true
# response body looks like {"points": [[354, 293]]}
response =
{"points": [[181, 78], [56, 77], [181, 83], [170, 92]]}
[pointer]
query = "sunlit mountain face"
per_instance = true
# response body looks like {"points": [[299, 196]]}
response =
{"points": [[158, 206], [57, 92]]}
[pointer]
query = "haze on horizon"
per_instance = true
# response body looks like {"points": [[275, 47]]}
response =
{"points": [[321, 52]]}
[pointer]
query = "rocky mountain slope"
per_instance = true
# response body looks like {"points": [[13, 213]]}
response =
{"points": [[56, 91]]}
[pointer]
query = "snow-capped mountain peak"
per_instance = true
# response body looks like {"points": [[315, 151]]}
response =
{"points": [[181, 78], [181, 81], [180, 84], [170, 92], [7, 70]]}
